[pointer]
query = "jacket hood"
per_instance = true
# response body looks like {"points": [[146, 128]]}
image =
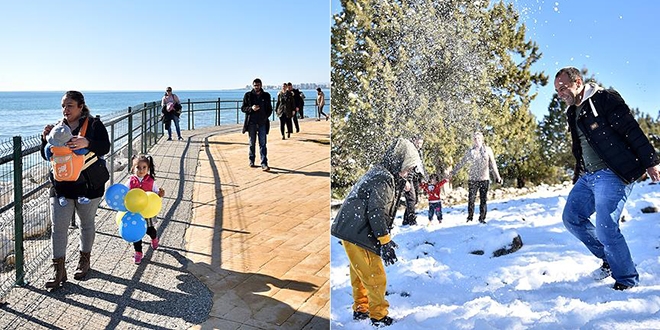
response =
{"points": [[59, 135], [401, 154], [590, 89]]}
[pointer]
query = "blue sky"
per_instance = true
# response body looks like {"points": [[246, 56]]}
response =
{"points": [[146, 45], [617, 41]]}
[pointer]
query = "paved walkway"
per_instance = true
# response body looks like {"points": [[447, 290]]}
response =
{"points": [[260, 240], [240, 248]]}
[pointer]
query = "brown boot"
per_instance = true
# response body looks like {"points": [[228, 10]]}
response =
{"points": [[83, 266], [59, 274]]}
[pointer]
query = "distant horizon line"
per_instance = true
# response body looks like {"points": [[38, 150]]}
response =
{"points": [[136, 90]]}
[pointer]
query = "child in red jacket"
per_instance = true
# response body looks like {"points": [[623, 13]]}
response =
{"points": [[433, 191]]}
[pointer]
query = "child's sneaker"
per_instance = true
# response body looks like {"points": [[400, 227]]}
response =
{"points": [[137, 258], [63, 201], [83, 200], [154, 243]]}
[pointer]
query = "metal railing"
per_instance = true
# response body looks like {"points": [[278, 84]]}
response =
{"points": [[25, 220]]}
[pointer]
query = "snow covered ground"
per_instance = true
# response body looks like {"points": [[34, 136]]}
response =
{"points": [[438, 284]]}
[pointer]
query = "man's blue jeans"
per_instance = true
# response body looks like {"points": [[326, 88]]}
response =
{"points": [[253, 131], [602, 192]]}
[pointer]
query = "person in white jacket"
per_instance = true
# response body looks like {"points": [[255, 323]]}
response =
{"points": [[481, 159]]}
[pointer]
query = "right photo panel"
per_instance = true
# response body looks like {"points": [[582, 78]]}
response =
{"points": [[494, 165]]}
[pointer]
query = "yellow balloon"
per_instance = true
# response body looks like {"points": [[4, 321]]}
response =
{"points": [[118, 217], [136, 200], [153, 206]]}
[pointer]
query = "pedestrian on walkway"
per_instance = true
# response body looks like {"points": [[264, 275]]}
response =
{"points": [[143, 177], [171, 108], [363, 225], [611, 152], [481, 158], [257, 107], [94, 174], [297, 105], [284, 109], [320, 102]]}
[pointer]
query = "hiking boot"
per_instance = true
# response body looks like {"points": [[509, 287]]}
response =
{"points": [[83, 266], [154, 243], [251, 164], [620, 287], [265, 167], [137, 258], [602, 273], [359, 316], [385, 321], [59, 274], [468, 219]]}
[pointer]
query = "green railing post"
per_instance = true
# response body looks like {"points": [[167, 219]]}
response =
{"points": [[154, 122], [18, 212], [143, 129], [191, 116], [218, 112], [130, 133], [273, 103], [112, 153], [238, 110]]}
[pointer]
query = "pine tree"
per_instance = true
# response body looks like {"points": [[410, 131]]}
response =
{"points": [[439, 69], [555, 140]]}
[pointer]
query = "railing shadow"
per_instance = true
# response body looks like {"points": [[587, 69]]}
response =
{"points": [[264, 311]]}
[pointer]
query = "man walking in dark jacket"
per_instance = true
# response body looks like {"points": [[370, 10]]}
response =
{"points": [[257, 107], [297, 99], [363, 224], [611, 152]]}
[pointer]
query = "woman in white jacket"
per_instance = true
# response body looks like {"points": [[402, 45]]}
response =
{"points": [[481, 159]]}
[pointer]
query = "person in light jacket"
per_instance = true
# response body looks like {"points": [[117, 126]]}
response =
{"points": [[481, 159]]}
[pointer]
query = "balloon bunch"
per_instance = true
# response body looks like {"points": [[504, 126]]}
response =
{"points": [[133, 207]]}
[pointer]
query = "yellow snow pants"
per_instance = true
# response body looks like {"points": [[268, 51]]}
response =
{"points": [[368, 280]]}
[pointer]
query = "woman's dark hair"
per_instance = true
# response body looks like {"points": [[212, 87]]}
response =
{"points": [[80, 99], [434, 176], [143, 158]]}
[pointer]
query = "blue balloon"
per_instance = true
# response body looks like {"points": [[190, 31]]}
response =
{"points": [[132, 227], [114, 197]]}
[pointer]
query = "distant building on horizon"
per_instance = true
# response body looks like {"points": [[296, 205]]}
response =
{"points": [[299, 86]]}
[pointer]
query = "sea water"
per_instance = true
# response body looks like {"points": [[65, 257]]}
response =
{"points": [[26, 113]]}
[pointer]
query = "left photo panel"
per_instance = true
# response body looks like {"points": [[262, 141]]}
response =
{"points": [[165, 165]]}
